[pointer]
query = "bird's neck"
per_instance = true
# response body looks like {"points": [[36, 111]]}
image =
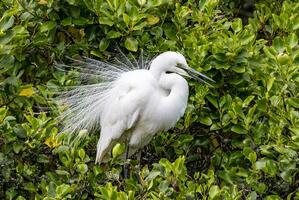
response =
{"points": [[156, 72], [174, 104], [172, 82], [176, 84]]}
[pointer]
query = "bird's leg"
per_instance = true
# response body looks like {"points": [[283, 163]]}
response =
{"points": [[126, 162], [139, 153], [127, 150]]}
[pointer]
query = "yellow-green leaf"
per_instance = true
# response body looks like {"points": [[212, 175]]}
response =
{"points": [[47, 26], [118, 150], [238, 129], [42, 2], [27, 92], [293, 102], [270, 83], [52, 142], [131, 44], [151, 20]]}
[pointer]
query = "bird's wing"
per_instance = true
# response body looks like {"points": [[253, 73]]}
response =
{"points": [[81, 105], [125, 103], [121, 112]]}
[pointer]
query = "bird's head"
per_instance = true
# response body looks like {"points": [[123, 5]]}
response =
{"points": [[174, 62]]}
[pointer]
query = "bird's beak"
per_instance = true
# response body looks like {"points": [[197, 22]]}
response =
{"points": [[192, 73], [199, 76]]}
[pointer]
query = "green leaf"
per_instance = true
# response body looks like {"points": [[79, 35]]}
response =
{"points": [[152, 20], [278, 44], [226, 176], [247, 101], [118, 150], [131, 44], [237, 108], [260, 164], [238, 129], [252, 195], [3, 112], [239, 68], [295, 130], [163, 186], [17, 147], [104, 44], [8, 37], [62, 189], [169, 31], [20, 198], [287, 176], [126, 19], [246, 40], [237, 25], [294, 102], [42, 158], [106, 21], [81, 153], [62, 172], [81, 21], [252, 157], [89, 4], [269, 53], [6, 22], [270, 83], [62, 149], [205, 120], [157, 31], [71, 2], [51, 189], [141, 2], [214, 191], [113, 34], [276, 20], [283, 59], [97, 170], [267, 165], [242, 172], [66, 22], [296, 23], [293, 40], [82, 168], [30, 187], [26, 91], [47, 26], [152, 175], [213, 101], [215, 127]]}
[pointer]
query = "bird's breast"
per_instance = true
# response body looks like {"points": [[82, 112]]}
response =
{"points": [[164, 112]]}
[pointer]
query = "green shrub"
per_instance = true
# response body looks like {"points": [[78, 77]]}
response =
{"points": [[238, 140]]}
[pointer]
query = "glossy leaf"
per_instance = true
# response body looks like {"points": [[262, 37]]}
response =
{"points": [[131, 44]]}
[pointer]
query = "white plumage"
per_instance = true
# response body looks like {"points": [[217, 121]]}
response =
{"points": [[129, 104]]}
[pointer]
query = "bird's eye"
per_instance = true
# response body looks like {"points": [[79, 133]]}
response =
{"points": [[168, 72], [179, 65]]}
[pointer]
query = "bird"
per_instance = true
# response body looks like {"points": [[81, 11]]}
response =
{"points": [[128, 101]]}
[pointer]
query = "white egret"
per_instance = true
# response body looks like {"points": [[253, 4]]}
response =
{"points": [[130, 104]]}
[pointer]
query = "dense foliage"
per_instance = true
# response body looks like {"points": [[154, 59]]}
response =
{"points": [[238, 140]]}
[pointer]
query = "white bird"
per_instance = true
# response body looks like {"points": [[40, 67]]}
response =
{"points": [[130, 104]]}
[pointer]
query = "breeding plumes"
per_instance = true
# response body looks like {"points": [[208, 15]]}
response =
{"points": [[130, 101]]}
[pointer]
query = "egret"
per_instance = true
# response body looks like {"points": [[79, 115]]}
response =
{"points": [[130, 104]]}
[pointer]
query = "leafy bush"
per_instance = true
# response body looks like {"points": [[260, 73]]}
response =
{"points": [[238, 140]]}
